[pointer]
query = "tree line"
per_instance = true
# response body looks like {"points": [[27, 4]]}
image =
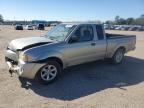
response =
{"points": [[129, 21], [1, 18], [118, 20]]}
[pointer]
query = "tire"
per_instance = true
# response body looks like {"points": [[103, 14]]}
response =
{"points": [[49, 73], [118, 56]]}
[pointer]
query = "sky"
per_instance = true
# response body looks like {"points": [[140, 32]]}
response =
{"points": [[70, 10]]}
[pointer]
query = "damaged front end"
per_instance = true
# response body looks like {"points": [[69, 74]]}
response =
{"points": [[11, 59], [12, 68]]}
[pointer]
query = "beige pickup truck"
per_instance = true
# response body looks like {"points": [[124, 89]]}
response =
{"points": [[65, 45]]}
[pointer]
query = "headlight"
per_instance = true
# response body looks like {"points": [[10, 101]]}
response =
{"points": [[25, 57]]}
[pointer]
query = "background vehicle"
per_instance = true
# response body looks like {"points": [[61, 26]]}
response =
{"points": [[53, 24], [133, 28], [40, 27], [18, 27], [118, 28], [108, 27], [140, 28], [63, 46], [125, 28], [29, 27]]}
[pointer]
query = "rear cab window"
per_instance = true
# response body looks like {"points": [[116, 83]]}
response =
{"points": [[100, 32]]}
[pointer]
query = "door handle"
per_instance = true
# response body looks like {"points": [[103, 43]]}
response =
{"points": [[93, 44]]}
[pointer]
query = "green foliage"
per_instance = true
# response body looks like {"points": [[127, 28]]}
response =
{"points": [[117, 18], [128, 21], [139, 21], [1, 18]]}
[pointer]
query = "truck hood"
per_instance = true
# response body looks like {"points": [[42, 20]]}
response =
{"points": [[25, 43]]}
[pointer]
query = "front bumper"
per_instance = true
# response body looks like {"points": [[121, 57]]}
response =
{"points": [[23, 69]]}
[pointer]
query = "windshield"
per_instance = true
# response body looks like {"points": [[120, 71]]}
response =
{"points": [[60, 32]]}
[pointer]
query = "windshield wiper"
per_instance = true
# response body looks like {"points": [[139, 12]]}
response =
{"points": [[52, 38]]}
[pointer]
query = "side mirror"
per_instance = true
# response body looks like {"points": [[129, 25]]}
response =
{"points": [[73, 39]]}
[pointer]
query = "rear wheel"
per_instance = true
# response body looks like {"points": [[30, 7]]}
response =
{"points": [[49, 73], [118, 56]]}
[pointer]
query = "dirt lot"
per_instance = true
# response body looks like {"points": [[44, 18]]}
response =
{"points": [[91, 85]]}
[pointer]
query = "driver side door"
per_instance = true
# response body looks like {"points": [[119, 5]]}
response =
{"points": [[81, 48]]}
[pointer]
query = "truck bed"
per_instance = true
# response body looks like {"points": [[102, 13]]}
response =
{"points": [[113, 36]]}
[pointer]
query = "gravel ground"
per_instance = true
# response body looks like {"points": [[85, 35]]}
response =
{"points": [[92, 85]]}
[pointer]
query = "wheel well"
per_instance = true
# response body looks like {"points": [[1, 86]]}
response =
{"points": [[57, 60], [123, 48]]}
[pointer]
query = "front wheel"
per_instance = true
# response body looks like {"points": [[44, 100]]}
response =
{"points": [[118, 56], [49, 72]]}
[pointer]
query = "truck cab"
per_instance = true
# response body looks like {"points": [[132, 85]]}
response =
{"points": [[86, 43]]}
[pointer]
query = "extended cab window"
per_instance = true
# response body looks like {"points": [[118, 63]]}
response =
{"points": [[100, 32], [84, 33]]}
